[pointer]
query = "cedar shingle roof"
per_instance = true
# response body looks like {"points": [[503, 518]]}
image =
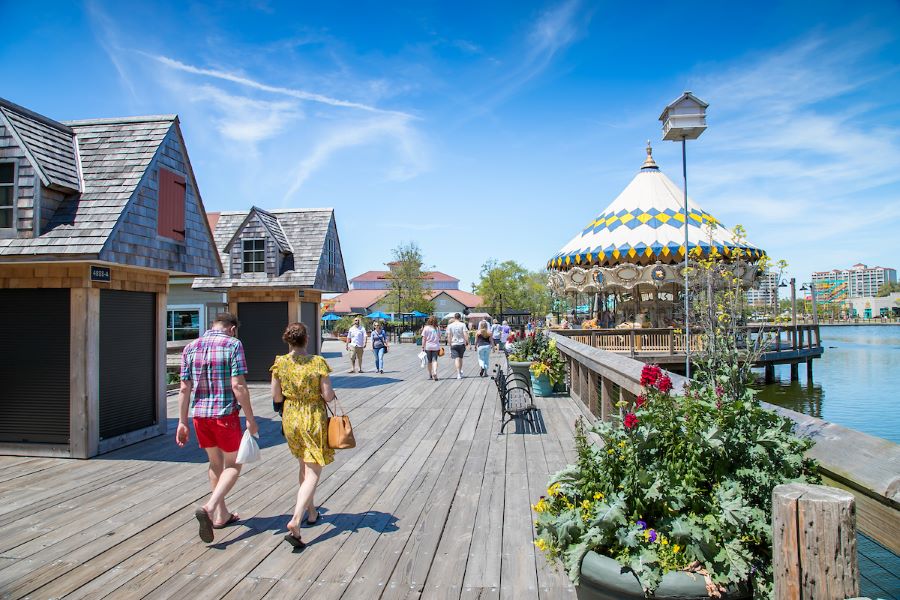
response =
{"points": [[115, 154], [304, 231], [49, 144]]}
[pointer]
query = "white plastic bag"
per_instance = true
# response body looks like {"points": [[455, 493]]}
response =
{"points": [[423, 358], [249, 449]]}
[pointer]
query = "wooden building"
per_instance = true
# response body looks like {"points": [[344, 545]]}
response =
{"points": [[94, 217], [277, 264]]}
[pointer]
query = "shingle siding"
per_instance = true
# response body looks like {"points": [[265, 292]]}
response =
{"points": [[25, 178]]}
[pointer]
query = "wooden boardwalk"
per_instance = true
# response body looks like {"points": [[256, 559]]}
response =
{"points": [[434, 502]]}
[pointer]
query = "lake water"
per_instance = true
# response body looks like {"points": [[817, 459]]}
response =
{"points": [[856, 384]]}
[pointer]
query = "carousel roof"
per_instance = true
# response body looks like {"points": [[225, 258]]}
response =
{"points": [[645, 224]]}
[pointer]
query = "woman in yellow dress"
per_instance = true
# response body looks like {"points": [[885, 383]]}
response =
{"points": [[300, 381]]}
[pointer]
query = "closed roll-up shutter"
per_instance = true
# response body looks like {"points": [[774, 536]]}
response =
{"points": [[262, 325], [127, 361], [34, 370]]}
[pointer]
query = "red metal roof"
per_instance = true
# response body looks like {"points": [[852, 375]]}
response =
{"points": [[380, 275]]}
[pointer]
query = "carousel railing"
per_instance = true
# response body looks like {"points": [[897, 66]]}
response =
{"points": [[778, 338]]}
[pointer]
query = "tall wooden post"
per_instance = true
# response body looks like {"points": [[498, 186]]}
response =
{"points": [[814, 543]]}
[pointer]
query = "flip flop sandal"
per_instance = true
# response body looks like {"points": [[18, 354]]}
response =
{"points": [[206, 524], [234, 518], [294, 541], [309, 523]]}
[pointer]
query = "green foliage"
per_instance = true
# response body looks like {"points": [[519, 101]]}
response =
{"points": [[408, 283], [520, 288], [541, 352], [887, 288], [342, 325], [681, 481]]}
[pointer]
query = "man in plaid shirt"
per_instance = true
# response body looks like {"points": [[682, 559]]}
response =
{"points": [[213, 387]]}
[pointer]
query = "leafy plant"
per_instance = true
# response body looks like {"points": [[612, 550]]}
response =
{"points": [[541, 352], [681, 481]]}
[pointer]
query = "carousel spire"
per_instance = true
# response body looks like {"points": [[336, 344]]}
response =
{"points": [[649, 163]]}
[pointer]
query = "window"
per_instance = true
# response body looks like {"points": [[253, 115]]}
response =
{"points": [[254, 256], [170, 218], [330, 255], [182, 324], [7, 195]]}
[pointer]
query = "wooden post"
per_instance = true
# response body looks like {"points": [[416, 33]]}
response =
{"points": [[814, 543], [809, 370], [631, 338], [592, 393], [671, 342], [770, 373], [795, 371], [607, 401]]}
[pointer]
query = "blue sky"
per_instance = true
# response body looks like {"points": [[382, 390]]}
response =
{"points": [[490, 130]]}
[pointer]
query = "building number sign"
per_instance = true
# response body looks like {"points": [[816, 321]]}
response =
{"points": [[100, 273]]}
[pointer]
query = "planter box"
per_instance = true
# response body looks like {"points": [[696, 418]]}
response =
{"points": [[523, 367], [603, 578], [541, 386]]}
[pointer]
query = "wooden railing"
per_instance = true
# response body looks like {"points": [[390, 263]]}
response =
{"points": [[866, 466], [662, 341]]}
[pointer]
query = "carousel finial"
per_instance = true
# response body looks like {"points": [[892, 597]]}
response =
{"points": [[649, 163]]}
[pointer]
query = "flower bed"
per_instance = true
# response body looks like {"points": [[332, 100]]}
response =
{"points": [[546, 363]]}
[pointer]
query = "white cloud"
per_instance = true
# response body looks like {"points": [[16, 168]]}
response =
{"points": [[245, 119]]}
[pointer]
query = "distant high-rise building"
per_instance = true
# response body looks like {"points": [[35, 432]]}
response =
{"points": [[838, 285], [765, 291]]}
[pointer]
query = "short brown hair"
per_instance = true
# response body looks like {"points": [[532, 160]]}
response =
{"points": [[228, 319], [295, 335], [432, 320]]}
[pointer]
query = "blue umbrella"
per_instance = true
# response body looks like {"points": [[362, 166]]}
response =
{"points": [[417, 314], [377, 315], [331, 317]]}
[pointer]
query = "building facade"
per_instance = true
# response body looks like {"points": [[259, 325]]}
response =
{"points": [[859, 281], [765, 292], [95, 216]]}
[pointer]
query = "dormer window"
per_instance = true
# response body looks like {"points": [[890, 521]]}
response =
{"points": [[7, 195], [254, 253]]}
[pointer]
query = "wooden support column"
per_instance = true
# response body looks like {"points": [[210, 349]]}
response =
{"points": [[585, 385], [814, 543], [770, 374], [575, 380], [809, 370], [593, 393], [795, 371], [84, 372], [161, 383]]}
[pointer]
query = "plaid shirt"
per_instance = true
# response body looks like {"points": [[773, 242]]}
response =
{"points": [[210, 362]]}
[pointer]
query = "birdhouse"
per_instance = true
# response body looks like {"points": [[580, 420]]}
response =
{"points": [[684, 119]]}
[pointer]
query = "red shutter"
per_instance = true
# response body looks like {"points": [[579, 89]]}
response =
{"points": [[170, 219]]}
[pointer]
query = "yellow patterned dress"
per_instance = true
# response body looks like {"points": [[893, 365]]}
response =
{"points": [[304, 419]]}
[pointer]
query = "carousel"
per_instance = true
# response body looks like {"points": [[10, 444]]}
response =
{"points": [[628, 262]]}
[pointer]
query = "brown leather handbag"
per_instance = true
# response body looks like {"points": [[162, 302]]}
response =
{"points": [[340, 431]]}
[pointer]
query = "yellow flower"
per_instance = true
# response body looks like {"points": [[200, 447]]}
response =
{"points": [[663, 540], [586, 504], [646, 534], [541, 544], [553, 490], [541, 506], [622, 444], [610, 451], [598, 496], [676, 548]]}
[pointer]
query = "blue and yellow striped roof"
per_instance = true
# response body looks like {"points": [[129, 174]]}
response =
{"points": [[645, 224]]}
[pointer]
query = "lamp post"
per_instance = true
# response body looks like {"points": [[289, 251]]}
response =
{"points": [[685, 119]]}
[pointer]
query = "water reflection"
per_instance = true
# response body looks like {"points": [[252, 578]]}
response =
{"points": [[854, 384]]}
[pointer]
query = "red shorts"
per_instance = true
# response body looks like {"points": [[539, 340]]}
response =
{"points": [[223, 433]]}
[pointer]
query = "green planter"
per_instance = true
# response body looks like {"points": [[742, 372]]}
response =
{"points": [[523, 367], [603, 578], [541, 385]]}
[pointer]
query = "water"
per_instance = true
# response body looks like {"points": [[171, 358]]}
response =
{"points": [[855, 384]]}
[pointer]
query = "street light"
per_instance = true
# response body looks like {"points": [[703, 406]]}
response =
{"points": [[685, 119]]}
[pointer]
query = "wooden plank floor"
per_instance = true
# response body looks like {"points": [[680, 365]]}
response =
{"points": [[434, 502]]}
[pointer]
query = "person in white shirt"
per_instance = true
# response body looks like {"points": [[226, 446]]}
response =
{"points": [[496, 331], [458, 339], [356, 344]]}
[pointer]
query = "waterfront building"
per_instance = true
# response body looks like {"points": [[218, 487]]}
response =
{"points": [[368, 291], [765, 292], [839, 285], [874, 307], [95, 216]]}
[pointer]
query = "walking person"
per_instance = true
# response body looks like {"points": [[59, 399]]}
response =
{"points": [[504, 332], [458, 340], [484, 341], [379, 345], [214, 390], [301, 386], [496, 333], [431, 344], [356, 345]]}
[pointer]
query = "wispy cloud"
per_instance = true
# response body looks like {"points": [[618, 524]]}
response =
{"points": [[251, 83], [411, 155], [107, 36]]}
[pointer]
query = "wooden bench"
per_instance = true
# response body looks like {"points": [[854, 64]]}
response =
{"points": [[515, 396]]}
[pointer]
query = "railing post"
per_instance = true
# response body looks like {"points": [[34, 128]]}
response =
{"points": [[814, 542], [606, 398], [632, 342], [671, 342], [593, 381], [777, 339]]}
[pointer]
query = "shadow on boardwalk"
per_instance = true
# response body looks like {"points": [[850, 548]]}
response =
{"points": [[433, 502]]}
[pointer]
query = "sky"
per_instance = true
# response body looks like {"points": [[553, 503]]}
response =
{"points": [[497, 130]]}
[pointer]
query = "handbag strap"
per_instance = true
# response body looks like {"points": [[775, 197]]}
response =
{"points": [[328, 409]]}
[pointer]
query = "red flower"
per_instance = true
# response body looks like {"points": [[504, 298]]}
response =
{"points": [[649, 374], [720, 391], [639, 401], [664, 384], [630, 420]]}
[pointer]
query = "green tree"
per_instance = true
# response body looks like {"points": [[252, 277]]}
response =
{"points": [[516, 286], [887, 288], [408, 282]]}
